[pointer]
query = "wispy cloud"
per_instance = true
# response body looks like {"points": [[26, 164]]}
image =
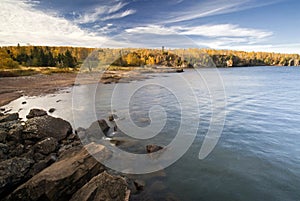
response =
{"points": [[219, 30], [22, 23], [213, 7], [119, 15], [103, 13]]}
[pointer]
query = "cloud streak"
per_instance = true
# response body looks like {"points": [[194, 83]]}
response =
{"points": [[213, 7], [103, 13], [212, 31]]}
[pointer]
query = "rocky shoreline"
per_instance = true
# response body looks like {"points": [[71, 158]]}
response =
{"points": [[44, 159]]}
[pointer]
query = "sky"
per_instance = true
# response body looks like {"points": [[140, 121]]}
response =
{"points": [[248, 25]]}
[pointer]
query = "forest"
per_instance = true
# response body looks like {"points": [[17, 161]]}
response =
{"points": [[71, 57]]}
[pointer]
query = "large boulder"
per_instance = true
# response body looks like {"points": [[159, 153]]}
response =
{"points": [[13, 172], [46, 126], [103, 187], [36, 113], [63, 178]]}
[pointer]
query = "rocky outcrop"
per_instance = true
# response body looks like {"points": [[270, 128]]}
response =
{"points": [[103, 187], [62, 179], [26, 148]]}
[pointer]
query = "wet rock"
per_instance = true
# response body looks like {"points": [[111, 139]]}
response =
{"points": [[103, 187], [112, 117], [97, 130], [46, 146], [153, 148], [139, 184], [24, 102], [46, 126], [51, 110], [12, 173], [36, 113], [9, 117], [63, 178]]}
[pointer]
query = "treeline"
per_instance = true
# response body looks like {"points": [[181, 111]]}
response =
{"points": [[44, 56]]}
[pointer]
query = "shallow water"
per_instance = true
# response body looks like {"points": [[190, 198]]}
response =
{"points": [[258, 154]]}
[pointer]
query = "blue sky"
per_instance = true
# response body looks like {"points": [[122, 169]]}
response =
{"points": [[250, 25]]}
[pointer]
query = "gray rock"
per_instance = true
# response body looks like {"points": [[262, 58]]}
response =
{"points": [[46, 126], [12, 173], [36, 113], [63, 178], [103, 187], [9, 117], [97, 130], [46, 146]]}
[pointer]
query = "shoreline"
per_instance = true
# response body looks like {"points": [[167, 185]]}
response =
{"points": [[47, 151], [13, 88]]}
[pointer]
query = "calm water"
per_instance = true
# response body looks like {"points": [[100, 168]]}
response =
{"points": [[258, 154]]}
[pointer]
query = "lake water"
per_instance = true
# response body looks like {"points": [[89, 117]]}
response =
{"points": [[257, 156]]}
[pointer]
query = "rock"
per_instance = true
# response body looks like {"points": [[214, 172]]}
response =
{"points": [[36, 113], [12, 173], [9, 117], [63, 178], [46, 146], [144, 120], [17, 151], [97, 130], [3, 135], [3, 151], [15, 133], [24, 102], [51, 110], [46, 126], [153, 148], [42, 164], [103, 187], [179, 70], [139, 184], [112, 117]]}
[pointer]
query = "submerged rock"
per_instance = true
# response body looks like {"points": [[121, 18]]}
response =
{"points": [[153, 148]]}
